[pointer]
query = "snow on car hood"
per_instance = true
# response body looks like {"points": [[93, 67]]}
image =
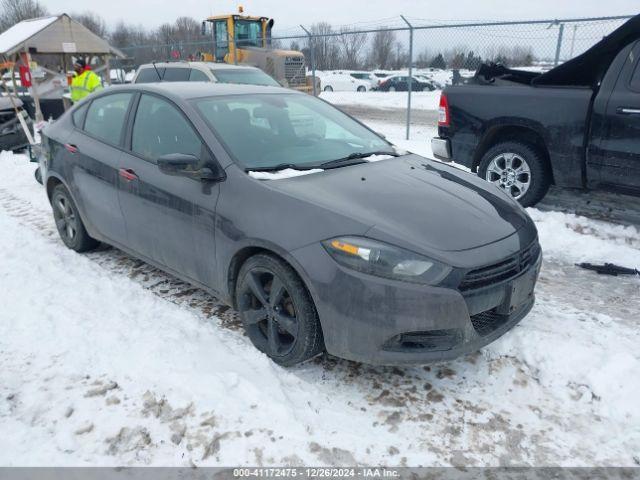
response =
{"points": [[417, 201], [291, 172]]}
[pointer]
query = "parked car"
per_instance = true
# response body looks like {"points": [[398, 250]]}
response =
{"points": [[400, 83], [12, 135], [203, 72], [401, 260], [367, 77], [343, 82], [577, 125]]}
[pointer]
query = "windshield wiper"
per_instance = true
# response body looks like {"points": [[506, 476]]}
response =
{"points": [[281, 166], [354, 159]]}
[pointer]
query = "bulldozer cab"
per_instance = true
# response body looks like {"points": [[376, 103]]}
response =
{"points": [[233, 33]]}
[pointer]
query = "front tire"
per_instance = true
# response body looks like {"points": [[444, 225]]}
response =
{"points": [[362, 89], [328, 88], [519, 169], [277, 311], [68, 222]]}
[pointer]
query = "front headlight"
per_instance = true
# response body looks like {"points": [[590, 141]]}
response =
{"points": [[383, 260]]}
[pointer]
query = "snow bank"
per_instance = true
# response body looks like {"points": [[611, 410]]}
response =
{"points": [[576, 239], [419, 100]]}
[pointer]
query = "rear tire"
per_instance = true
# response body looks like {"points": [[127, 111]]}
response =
{"points": [[328, 88], [282, 323], [518, 168], [68, 222], [362, 89]]}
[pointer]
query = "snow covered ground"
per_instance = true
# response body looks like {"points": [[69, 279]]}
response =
{"points": [[419, 100], [105, 360]]}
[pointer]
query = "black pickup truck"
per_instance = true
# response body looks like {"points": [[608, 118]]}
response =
{"points": [[577, 125]]}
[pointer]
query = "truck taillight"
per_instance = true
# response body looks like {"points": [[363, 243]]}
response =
{"points": [[444, 119]]}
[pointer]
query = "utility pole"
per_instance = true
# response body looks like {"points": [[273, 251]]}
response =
{"points": [[313, 58], [410, 82], [573, 40], [559, 45]]}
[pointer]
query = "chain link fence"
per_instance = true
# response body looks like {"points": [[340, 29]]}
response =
{"points": [[440, 52]]}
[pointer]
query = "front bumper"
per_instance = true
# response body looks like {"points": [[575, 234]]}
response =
{"points": [[386, 322], [441, 148]]}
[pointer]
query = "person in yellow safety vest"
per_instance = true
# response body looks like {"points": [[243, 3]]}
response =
{"points": [[85, 81]]}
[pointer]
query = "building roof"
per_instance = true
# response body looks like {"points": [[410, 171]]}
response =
{"points": [[54, 35]]}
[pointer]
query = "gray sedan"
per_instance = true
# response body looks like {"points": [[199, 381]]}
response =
{"points": [[318, 231]]}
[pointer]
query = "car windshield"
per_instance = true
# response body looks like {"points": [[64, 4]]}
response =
{"points": [[265, 131], [246, 76]]}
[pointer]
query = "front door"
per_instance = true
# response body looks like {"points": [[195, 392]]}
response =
{"points": [[94, 151], [169, 219], [616, 162]]}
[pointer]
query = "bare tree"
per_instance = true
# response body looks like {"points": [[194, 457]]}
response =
{"points": [[382, 49], [92, 21], [326, 50], [352, 45], [14, 11]]}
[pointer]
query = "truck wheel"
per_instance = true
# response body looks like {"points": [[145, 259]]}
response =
{"points": [[362, 88], [328, 88], [68, 222], [519, 169], [277, 311]]}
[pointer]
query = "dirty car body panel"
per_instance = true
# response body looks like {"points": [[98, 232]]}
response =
{"points": [[199, 230]]}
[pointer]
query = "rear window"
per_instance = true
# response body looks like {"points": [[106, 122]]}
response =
{"points": [[245, 76], [176, 74], [148, 75]]}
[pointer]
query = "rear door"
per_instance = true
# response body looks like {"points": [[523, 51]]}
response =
{"points": [[94, 152], [616, 163], [169, 219]]}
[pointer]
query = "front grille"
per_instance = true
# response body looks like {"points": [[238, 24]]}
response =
{"points": [[295, 72], [486, 322], [501, 271]]}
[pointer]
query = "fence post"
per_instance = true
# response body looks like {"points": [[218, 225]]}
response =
{"points": [[559, 45], [313, 58], [410, 83]]}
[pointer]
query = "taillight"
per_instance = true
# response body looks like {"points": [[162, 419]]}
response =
{"points": [[444, 119]]}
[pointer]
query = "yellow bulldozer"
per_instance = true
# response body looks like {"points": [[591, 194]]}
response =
{"points": [[245, 40]]}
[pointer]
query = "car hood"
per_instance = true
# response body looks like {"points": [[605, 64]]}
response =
{"points": [[421, 204]]}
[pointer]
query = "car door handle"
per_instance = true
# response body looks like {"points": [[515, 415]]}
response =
{"points": [[128, 174], [71, 148], [628, 111]]}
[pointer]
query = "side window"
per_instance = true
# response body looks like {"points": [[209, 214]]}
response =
{"points": [[106, 115], [198, 76], [160, 129], [78, 115], [176, 75], [148, 75]]}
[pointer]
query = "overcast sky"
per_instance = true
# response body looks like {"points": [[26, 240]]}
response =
{"points": [[289, 13]]}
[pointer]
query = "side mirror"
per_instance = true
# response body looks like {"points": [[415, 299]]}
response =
{"points": [[186, 165]]}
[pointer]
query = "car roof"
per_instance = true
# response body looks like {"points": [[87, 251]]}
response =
{"points": [[190, 90], [209, 65]]}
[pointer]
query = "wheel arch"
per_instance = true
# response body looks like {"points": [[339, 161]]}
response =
{"points": [[52, 181], [255, 248], [514, 133]]}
